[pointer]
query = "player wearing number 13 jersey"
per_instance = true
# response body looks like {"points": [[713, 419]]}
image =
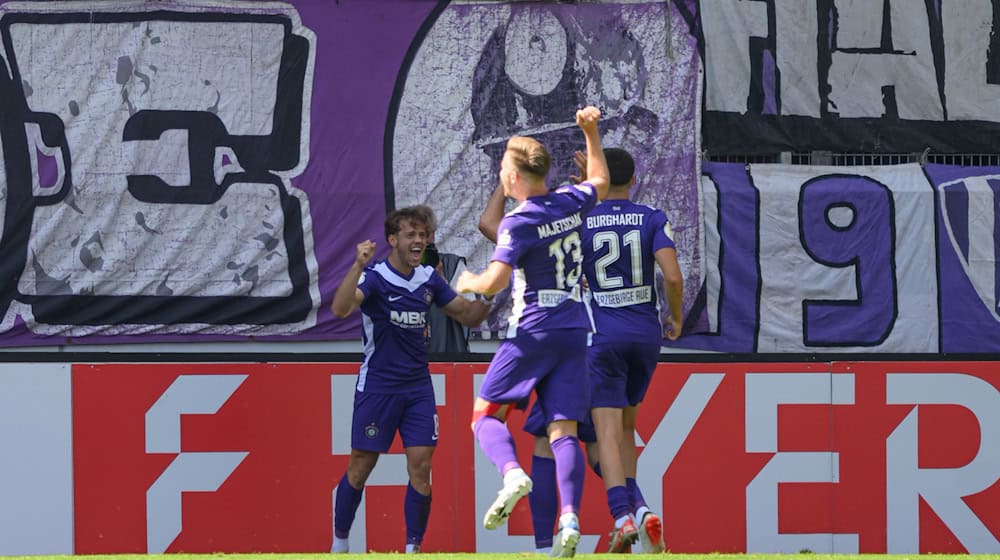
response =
{"points": [[541, 232], [539, 244]]}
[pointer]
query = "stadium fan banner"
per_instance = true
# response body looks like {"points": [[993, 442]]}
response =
{"points": [[831, 457], [180, 171], [898, 76], [885, 259]]}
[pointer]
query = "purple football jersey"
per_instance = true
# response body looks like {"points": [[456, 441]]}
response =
{"points": [[619, 240], [394, 315], [541, 240]]}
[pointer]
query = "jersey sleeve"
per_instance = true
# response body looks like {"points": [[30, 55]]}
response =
{"points": [[442, 292], [508, 249], [365, 283], [663, 234], [584, 194]]}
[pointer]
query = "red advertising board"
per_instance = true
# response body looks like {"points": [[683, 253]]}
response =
{"points": [[868, 457]]}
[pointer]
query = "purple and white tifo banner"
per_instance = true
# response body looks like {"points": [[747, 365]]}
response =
{"points": [[890, 259], [859, 76], [203, 170]]}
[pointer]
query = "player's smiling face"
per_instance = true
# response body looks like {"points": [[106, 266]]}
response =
{"points": [[408, 244]]}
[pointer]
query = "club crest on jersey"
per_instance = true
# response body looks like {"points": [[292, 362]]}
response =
{"points": [[428, 296], [371, 431], [968, 207]]}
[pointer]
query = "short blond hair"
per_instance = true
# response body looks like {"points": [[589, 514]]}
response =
{"points": [[529, 156]]}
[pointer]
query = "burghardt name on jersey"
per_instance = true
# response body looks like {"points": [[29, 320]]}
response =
{"points": [[858, 259], [149, 153], [830, 457]]}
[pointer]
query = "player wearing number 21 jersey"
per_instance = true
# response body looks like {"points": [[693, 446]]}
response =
{"points": [[622, 243], [621, 237]]}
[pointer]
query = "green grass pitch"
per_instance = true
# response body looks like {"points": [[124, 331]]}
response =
{"points": [[511, 556]]}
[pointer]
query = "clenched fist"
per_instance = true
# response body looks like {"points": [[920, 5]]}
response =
{"points": [[587, 117], [365, 251]]}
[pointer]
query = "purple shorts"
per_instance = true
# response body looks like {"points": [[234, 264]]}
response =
{"points": [[553, 363], [535, 425], [378, 416], [620, 372]]}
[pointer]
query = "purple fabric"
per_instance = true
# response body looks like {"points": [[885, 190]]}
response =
{"points": [[529, 362], [570, 471], [543, 499], [635, 498], [536, 425], [417, 510], [496, 442], [770, 83], [546, 293], [965, 316], [397, 145], [48, 171], [395, 331], [620, 372], [620, 239], [377, 417], [618, 502], [356, 155], [968, 323], [345, 507], [340, 189], [738, 201]]}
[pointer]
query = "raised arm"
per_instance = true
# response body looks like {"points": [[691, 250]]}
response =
{"points": [[488, 282], [673, 284], [597, 167], [489, 221], [348, 297]]}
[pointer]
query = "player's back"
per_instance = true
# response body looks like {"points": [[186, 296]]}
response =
{"points": [[541, 240], [619, 240]]}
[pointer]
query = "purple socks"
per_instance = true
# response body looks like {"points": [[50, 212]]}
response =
{"points": [[570, 471], [634, 495], [543, 499], [417, 509], [618, 502], [495, 440], [345, 506]]}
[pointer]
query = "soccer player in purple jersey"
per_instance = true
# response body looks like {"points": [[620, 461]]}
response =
{"points": [[544, 497], [394, 391], [622, 241], [539, 241]]}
